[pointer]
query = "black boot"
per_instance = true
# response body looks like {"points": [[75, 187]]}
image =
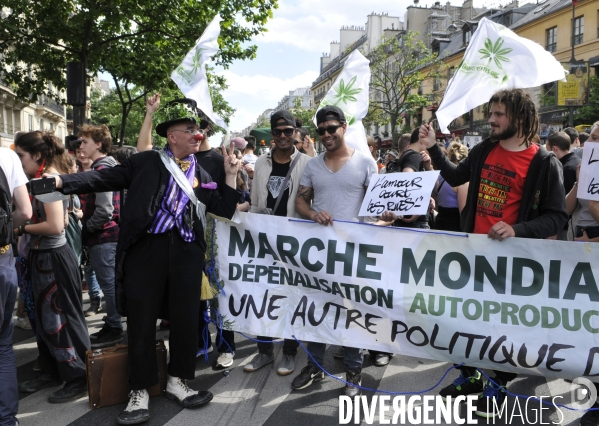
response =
{"points": [[71, 391], [42, 381]]}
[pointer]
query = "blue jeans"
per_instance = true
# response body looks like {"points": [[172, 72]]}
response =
{"points": [[9, 395], [92, 282], [102, 259], [353, 356]]}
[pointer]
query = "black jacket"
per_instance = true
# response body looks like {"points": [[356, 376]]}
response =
{"points": [[569, 162], [146, 179], [543, 206]]}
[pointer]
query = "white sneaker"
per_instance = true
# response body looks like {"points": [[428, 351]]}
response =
{"points": [[224, 360], [137, 409], [177, 389], [23, 323]]}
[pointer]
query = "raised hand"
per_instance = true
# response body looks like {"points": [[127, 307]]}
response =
{"points": [[231, 162], [153, 103], [427, 136]]}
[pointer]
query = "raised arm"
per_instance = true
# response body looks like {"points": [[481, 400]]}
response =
{"points": [[144, 140]]}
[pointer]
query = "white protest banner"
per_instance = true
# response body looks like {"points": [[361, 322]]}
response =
{"points": [[496, 58], [350, 93], [588, 183], [401, 193], [519, 305], [190, 75]]}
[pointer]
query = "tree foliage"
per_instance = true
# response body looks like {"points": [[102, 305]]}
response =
{"points": [[399, 65], [137, 42], [590, 113]]}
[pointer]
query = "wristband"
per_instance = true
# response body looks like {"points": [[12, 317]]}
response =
{"points": [[22, 230]]}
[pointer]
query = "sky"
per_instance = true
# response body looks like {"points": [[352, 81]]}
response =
{"points": [[289, 53]]}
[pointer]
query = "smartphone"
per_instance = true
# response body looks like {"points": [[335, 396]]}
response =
{"points": [[42, 186]]}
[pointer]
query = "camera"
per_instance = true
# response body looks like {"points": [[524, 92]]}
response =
{"points": [[72, 142], [42, 186]]}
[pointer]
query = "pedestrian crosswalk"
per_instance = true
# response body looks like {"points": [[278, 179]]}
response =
{"points": [[265, 398]]}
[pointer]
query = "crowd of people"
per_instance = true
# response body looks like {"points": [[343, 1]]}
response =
{"points": [[141, 215]]}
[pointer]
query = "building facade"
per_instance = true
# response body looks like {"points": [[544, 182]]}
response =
{"points": [[16, 115]]}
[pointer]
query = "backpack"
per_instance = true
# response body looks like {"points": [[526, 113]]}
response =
{"points": [[6, 227]]}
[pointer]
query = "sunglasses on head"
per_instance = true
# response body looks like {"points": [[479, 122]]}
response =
{"points": [[331, 129], [278, 132]]}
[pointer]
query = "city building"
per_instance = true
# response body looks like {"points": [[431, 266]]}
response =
{"points": [[548, 23], [301, 97], [351, 38], [45, 113]]}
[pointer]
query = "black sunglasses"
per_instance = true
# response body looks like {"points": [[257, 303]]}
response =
{"points": [[331, 129], [278, 132]]}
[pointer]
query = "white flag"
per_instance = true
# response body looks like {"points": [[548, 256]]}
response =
{"points": [[495, 59], [350, 94], [190, 76]]}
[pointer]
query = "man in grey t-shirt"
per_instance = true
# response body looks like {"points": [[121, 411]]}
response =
{"points": [[335, 182]]}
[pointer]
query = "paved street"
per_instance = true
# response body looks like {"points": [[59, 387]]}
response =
{"points": [[264, 398]]}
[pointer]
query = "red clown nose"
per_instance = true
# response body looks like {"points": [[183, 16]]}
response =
{"points": [[198, 136]]}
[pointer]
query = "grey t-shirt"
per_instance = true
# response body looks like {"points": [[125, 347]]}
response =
{"points": [[341, 194], [39, 242]]}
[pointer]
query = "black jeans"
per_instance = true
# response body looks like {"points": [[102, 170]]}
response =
{"points": [[162, 268]]}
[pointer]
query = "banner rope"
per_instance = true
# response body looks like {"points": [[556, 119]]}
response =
{"points": [[279, 341], [397, 228]]}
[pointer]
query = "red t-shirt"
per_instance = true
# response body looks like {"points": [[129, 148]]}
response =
{"points": [[501, 185]]}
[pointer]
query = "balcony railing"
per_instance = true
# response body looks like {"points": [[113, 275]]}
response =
{"points": [[319, 96], [52, 105], [578, 39], [8, 129], [551, 47]]}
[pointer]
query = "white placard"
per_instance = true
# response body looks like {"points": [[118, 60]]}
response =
{"points": [[588, 182], [470, 141], [401, 193]]}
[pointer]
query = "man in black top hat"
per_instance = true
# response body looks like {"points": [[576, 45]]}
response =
{"points": [[160, 248]]}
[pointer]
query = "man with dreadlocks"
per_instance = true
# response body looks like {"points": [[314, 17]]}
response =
{"points": [[516, 190]]}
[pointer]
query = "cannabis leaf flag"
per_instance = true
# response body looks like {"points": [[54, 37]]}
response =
{"points": [[190, 76], [495, 59], [350, 93]]}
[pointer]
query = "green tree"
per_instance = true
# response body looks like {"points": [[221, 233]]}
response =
{"points": [[399, 65], [305, 114], [138, 42], [590, 113]]}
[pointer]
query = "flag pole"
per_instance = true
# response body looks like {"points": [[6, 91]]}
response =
{"points": [[572, 62], [572, 58]]}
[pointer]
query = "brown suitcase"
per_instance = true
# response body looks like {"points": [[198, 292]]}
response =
{"points": [[107, 375]]}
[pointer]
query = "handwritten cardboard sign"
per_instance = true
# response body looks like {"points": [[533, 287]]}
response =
{"points": [[588, 182], [400, 193]]}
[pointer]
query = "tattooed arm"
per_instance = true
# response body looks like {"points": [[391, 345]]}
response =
{"points": [[302, 206]]}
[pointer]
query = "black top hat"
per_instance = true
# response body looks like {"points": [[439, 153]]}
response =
{"points": [[179, 111]]}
